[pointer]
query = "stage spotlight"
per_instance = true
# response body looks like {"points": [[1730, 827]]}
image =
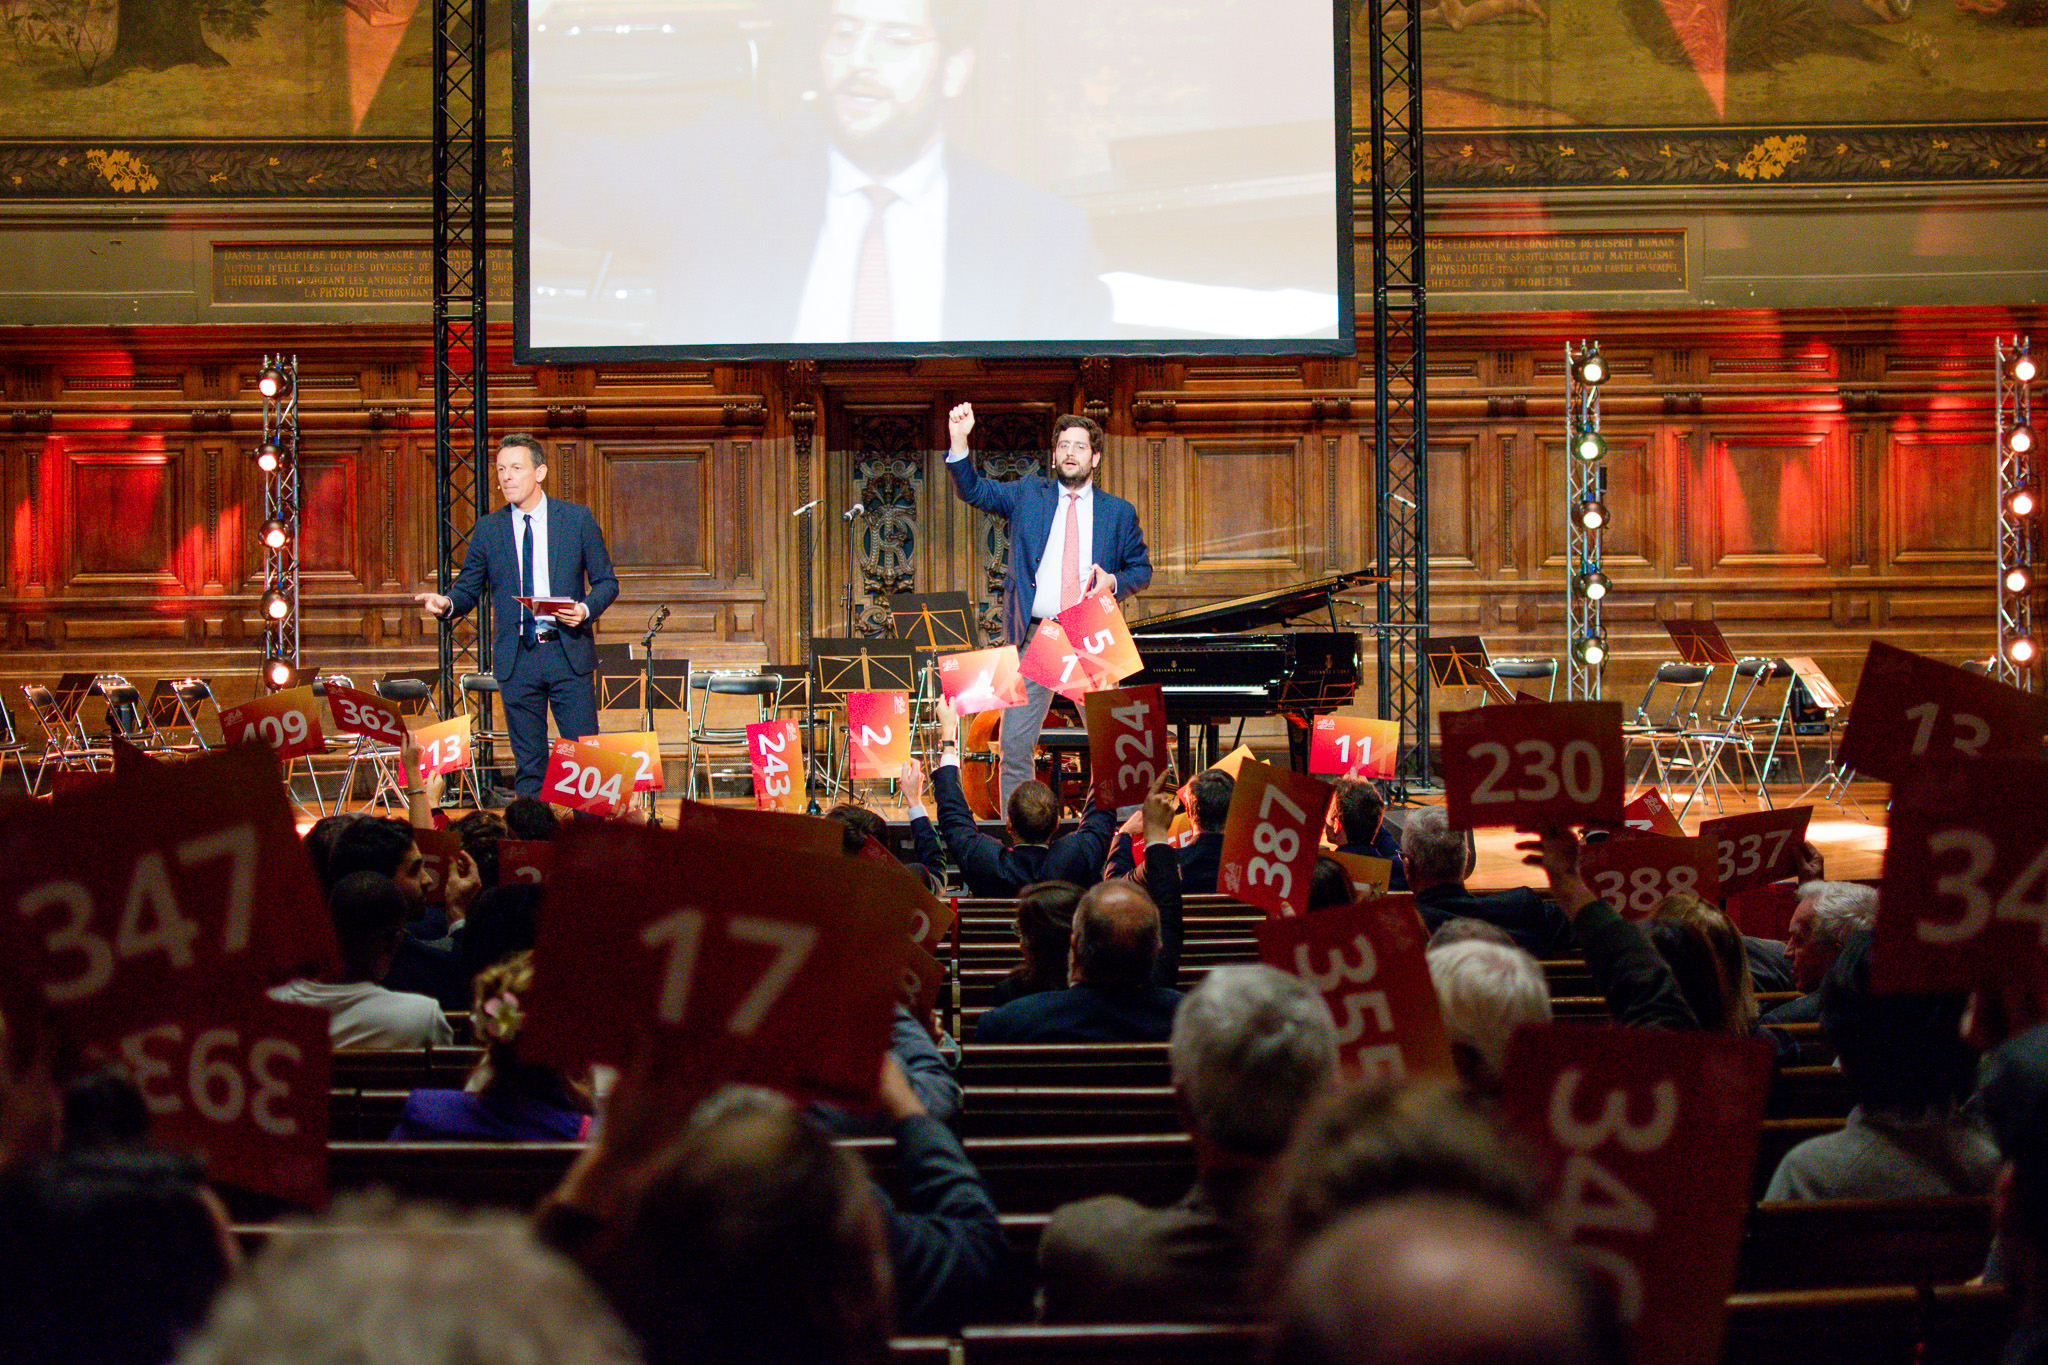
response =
{"points": [[269, 457], [2018, 580], [1590, 368], [2020, 649], [1590, 650], [1591, 446], [2021, 369], [276, 606], [272, 381], [2020, 440], [1592, 586], [1592, 514], [2021, 503], [276, 533], [280, 674]]}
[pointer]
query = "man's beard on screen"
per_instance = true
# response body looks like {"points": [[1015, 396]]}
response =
{"points": [[904, 137]]}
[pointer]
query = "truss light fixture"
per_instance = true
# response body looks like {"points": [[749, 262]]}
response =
{"points": [[1591, 368]]}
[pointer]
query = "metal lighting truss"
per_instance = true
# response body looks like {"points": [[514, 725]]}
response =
{"points": [[2016, 547], [1585, 481]]}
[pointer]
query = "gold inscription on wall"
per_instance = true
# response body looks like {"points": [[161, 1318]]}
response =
{"points": [[1544, 262], [327, 273]]}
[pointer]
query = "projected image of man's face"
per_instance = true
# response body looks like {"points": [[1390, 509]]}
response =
{"points": [[885, 75]]}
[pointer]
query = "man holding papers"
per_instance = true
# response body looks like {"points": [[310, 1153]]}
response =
{"points": [[550, 578], [1068, 540]]}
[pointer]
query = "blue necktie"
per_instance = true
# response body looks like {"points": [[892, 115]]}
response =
{"points": [[526, 631]]}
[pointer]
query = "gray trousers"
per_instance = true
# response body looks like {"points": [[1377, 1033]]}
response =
{"points": [[1020, 736]]}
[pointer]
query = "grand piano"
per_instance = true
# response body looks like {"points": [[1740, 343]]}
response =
{"points": [[1232, 660]]}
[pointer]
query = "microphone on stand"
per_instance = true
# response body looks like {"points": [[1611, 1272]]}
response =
{"points": [[857, 509], [806, 507], [654, 624]]}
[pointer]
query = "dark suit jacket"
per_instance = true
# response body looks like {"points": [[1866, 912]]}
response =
{"points": [[1117, 545], [1110, 1259], [990, 869], [1198, 863], [1385, 844], [1531, 921], [578, 567]]}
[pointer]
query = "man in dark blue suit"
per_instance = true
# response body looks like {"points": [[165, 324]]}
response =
{"points": [[535, 547], [1068, 539]]}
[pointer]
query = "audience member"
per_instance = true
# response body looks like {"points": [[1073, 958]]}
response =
{"points": [[1209, 795], [1638, 983], [320, 841], [1909, 1071], [1123, 962], [1487, 991], [502, 922], [1464, 930], [1357, 824], [1032, 818], [924, 1067], [2015, 1102], [1733, 984], [377, 1284], [1436, 858], [1329, 885], [1368, 1143], [506, 1099], [1430, 1279], [1251, 1048], [108, 1256], [1045, 933], [1828, 912], [480, 832], [374, 844], [750, 1236], [530, 820], [369, 915]]}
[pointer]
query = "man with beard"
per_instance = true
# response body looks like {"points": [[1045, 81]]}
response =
{"points": [[1068, 540], [858, 221]]}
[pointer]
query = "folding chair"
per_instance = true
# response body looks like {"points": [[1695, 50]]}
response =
{"points": [[480, 696], [413, 696], [1737, 726], [1668, 712], [14, 746], [1529, 670], [765, 690], [65, 746], [171, 719]]}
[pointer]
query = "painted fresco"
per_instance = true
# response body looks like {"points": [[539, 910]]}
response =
{"points": [[1619, 93], [320, 99]]}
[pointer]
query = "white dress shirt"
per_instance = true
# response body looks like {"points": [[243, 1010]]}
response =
{"points": [[541, 585], [1047, 601], [914, 239]]}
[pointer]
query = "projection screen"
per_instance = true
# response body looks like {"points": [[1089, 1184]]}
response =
{"points": [[748, 179]]}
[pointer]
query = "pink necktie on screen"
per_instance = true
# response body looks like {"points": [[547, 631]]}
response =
{"points": [[1070, 566], [871, 310]]}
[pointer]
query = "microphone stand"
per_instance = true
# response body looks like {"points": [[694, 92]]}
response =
{"points": [[856, 510], [654, 625], [810, 665]]}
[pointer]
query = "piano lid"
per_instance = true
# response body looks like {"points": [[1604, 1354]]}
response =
{"points": [[1259, 609]]}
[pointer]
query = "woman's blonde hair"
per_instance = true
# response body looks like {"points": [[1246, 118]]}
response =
{"points": [[1738, 988]]}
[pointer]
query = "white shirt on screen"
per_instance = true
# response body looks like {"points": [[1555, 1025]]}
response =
{"points": [[1047, 601], [914, 236], [540, 550]]}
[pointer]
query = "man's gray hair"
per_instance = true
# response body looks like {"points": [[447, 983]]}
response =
{"points": [[376, 1283], [1431, 851], [1839, 909], [1487, 990], [1251, 1047]]}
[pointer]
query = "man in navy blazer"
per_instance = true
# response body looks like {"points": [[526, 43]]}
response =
{"points": [[535, 546], [1068, 539]]}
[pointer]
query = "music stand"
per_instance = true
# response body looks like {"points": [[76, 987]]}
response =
{"points": [[939, 622], [1834, 779], [1461, 661], [621, 682], [1699, 642], [840, 666]]}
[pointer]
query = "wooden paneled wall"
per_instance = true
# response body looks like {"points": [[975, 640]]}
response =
{"points": [[1809, 481]]}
